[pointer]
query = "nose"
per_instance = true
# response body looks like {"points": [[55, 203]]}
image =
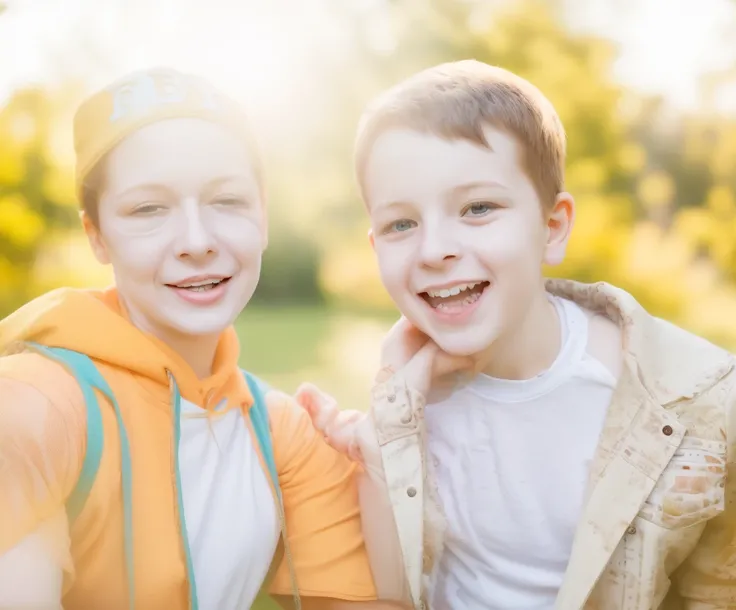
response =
{"points": [[439, 246], [196, 239]]}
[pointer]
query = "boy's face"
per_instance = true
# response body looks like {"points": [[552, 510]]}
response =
{"points": [[460, 235]]}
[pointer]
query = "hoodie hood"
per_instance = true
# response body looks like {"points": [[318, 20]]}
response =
{"points": [[94, 323]]}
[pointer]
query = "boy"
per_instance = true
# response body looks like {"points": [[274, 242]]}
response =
{"points": [[582, 463]]}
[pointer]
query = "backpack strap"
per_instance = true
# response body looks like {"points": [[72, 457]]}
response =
{"points": [[261, 426], [89, 379], [259, 418]]}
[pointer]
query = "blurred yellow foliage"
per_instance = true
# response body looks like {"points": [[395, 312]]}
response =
{"points": [[656, 189], [655, 192], [19, 224]]}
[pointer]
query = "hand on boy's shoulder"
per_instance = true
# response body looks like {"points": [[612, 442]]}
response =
{"points": [[343, 429], [409, 359]]}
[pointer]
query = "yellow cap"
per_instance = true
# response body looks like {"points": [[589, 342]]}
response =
{"points": [[105, 118]]}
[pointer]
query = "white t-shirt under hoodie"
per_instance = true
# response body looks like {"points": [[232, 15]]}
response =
{"points": [[511, 461]]}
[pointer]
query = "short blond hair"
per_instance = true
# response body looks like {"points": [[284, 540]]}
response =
{"points": [[456, 101]]}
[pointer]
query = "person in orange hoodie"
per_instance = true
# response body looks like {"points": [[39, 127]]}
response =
{"points": [[139, 466]]}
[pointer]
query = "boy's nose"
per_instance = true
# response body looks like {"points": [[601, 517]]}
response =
{"points": [[438, 250]]}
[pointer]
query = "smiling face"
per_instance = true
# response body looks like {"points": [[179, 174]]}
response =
{"points": [[460, 234], [182, 223]]}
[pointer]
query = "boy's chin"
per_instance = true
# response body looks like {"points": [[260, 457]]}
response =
{"points": [[471, 346]]}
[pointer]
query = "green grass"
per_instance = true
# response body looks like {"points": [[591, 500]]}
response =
{"points": [[337, 350]]}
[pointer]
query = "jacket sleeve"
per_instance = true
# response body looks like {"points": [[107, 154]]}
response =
{"points": [[707, 579], [321, 510]]}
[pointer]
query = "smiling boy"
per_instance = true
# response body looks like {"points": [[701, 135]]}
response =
{"points": [[583, 464]]}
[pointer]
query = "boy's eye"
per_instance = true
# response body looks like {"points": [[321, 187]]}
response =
{"points": [[479, 208], [400, 226]]}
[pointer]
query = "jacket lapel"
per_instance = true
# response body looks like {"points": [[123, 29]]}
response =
{"points": [[640, 434], [638, 440]]}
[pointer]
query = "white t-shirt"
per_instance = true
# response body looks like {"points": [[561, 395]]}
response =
{"points": [[231, 519], [511, 463]]}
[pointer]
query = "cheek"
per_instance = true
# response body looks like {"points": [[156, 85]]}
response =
{"points": [[136, 258], [244, 240], [515, 245], [392, 267]]}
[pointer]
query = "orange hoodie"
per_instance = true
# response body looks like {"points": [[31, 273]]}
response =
{"points": [[43, 445]]}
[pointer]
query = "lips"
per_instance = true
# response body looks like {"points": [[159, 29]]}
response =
{"points": [[200, 284]]}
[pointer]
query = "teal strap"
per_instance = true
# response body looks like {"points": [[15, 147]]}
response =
{"points": [[89, 379], [193, 600], [261, 426], [95, 441]]}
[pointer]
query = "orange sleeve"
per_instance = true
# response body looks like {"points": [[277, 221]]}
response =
{"points": [[41, 443], [321, 506]]}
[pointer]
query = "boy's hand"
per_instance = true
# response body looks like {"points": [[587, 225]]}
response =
{"points": [[408, 352]]}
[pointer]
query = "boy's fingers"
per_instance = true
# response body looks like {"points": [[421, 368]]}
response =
{"points": [[445, 364], [401, 344]]}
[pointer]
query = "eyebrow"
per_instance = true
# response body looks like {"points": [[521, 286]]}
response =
{"points": [[161, 188], [215, 182], [149, 187], [389, 206], [463, 189]]}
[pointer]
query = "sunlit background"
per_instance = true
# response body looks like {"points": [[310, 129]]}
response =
{"points": [[646, 89]]}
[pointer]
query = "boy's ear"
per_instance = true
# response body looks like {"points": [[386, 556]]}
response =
{"points": [[559, 227], [371, 240], [99, 249]]}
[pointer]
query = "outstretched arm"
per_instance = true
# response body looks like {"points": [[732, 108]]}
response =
{"points": [[41, 448]]}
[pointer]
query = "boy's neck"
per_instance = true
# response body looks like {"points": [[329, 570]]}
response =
{"points": [[529, 349]]}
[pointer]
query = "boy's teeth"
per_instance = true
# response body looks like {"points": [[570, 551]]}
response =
{"points": [[451, 292], [458, 305]]}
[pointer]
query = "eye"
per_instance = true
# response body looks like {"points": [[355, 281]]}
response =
{"points": [[147, 209], [479, 208], [230, 201], [400, 226]]}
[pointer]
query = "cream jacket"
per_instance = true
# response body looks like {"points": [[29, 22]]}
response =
{"points": [[658, 529]]}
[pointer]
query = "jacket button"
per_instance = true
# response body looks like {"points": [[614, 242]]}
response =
{"points": [[391, 397], [406, 418], [631, 530], [411, 492], [667, 430]]}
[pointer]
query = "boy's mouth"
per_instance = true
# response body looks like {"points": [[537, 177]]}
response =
{"points": [[455, 298]]}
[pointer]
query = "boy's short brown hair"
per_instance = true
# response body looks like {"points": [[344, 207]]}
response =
{"points": [[456, 100]]}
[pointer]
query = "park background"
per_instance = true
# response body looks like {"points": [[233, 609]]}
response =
{"points": [[645, 88]]}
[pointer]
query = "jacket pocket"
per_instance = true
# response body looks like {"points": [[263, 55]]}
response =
{"points": [[691, 488]]}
